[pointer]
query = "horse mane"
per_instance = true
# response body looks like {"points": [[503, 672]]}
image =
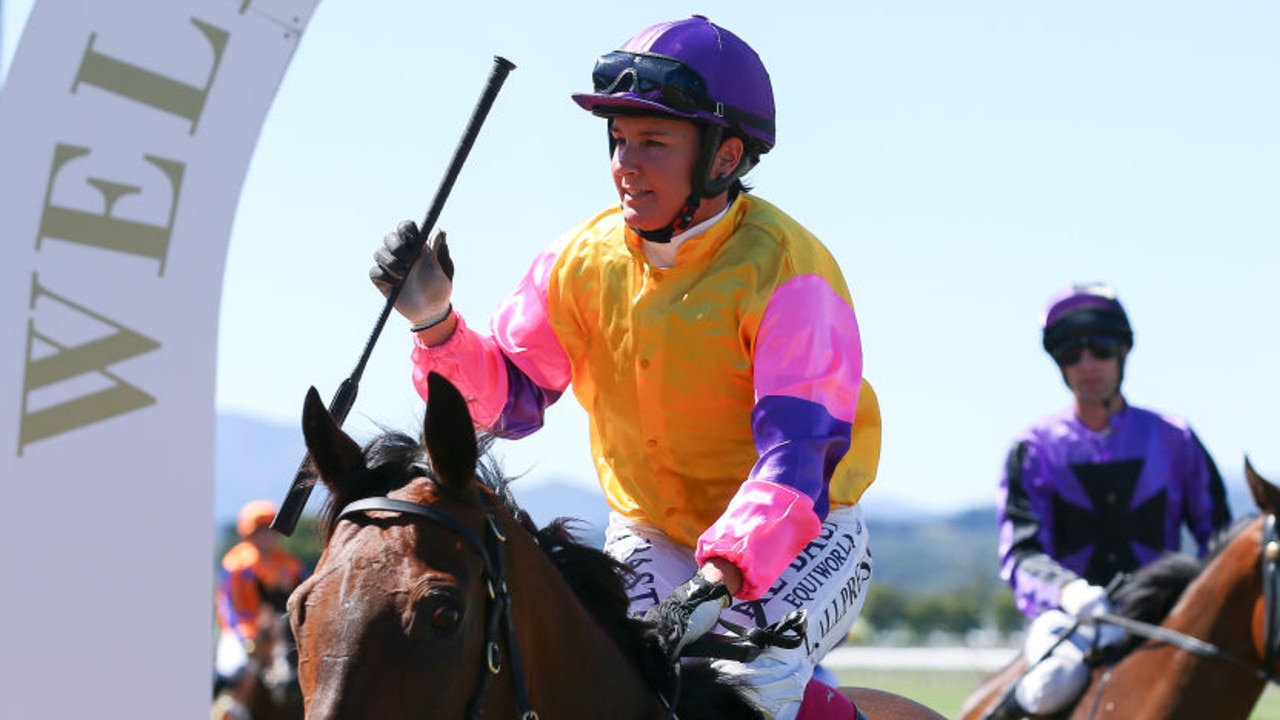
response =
{"points": [[1154, 589], [394, 459], [600, 583]]}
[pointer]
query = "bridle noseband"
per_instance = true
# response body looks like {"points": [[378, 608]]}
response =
{"points": [[490, 551]]}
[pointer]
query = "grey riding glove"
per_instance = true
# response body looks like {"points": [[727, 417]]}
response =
{"points": [[424, 273], [688, 613]]}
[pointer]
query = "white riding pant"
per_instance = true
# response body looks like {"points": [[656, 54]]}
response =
{"points": [[828, 579], [1056, 681], [230, 657]]}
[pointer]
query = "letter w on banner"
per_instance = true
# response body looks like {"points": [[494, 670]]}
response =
{"points": [[126, 130]]}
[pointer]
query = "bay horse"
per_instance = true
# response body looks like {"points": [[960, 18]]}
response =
{"points": [[437, 597], [1217, 642]]}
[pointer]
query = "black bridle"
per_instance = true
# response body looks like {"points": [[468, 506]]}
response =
{"points": [[490, 550], [1270, 561], [1271, 588]]}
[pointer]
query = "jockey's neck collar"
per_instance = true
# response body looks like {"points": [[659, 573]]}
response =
{"points": [[663, 255]]}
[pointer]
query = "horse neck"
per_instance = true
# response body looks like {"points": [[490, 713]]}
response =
{"points": [[570, 662], [1161, 681], [1219, 606]]}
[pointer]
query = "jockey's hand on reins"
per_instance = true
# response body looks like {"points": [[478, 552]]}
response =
{"points": [[687, 614]]}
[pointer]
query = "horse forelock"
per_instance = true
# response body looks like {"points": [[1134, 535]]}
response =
{"points": [[394, 459]]}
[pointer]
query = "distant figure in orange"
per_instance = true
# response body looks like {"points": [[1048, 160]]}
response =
{"points": [[256, 579]]}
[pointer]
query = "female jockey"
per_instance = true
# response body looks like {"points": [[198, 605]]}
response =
{"points": [[713, 343]]}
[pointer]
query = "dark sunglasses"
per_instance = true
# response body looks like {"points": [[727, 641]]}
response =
{"points": [[662, 80], [1069, 351]]}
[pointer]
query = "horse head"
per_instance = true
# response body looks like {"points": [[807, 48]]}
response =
{"points": [[390, 622]]}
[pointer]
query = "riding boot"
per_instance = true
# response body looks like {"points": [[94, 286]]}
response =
{"points": [[1008, 709]]}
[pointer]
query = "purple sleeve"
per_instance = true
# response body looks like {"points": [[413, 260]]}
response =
{"points": [[526, 404], [1207, 509], [1035, 577]]}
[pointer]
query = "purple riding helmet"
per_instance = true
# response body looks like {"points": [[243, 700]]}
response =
{"points": [[695, 70], [1088, 309]]}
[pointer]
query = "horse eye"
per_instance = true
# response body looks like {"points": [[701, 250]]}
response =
{"points": [[438, 613], [445, 617]]}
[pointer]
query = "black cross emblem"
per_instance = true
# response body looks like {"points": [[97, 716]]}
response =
{"points": [[1110, 526]]}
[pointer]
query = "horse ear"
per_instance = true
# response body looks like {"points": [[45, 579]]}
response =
{"points": [[449, 433], [333, 452], [1266, 495]]}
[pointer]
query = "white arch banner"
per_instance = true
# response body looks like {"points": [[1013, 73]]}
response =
{"points": [[126, 130]]}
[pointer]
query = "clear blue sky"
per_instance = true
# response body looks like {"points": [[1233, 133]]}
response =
{"points": [[962, 161]]}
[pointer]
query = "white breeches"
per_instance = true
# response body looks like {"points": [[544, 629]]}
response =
{"points": [[828, 579], [1055, 681]]}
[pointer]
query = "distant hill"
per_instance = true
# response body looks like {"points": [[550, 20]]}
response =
{"points": [[915, 551], [935, 554], [253, 460]]}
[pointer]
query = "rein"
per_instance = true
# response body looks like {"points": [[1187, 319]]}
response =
{"points": [[499, 614], [1183, 641]]}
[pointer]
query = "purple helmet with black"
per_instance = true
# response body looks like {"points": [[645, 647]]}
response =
{"points": [[694, 70], [1087, 309]]}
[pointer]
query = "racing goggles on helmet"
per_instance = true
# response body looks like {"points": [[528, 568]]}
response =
{"points": [[658, 79], [1069, 351]]}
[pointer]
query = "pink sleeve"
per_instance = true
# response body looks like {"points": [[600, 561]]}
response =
{"points": [[473, 363], [521, 327], [765, 526], [808, 347]]}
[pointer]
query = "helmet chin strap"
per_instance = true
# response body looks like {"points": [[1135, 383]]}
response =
{"points": [[1110, 400], [683, 221]]}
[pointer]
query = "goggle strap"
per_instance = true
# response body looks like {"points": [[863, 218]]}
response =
{"points": [[728, 113]]}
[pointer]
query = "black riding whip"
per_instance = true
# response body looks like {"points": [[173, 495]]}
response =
{"points": [[286, 518]]}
